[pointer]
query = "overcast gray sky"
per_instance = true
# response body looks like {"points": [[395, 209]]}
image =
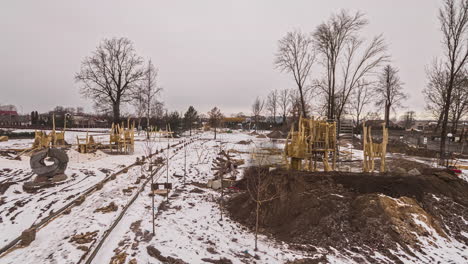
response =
{"points": [[208, 52]]}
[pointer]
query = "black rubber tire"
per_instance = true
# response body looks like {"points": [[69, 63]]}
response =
{"points": [[58, 156]]}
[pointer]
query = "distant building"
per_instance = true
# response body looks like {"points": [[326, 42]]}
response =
{"points": [[9, 116], [84, 120]]}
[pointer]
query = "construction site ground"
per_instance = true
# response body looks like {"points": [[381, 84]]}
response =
{"points": [[339, 217]]}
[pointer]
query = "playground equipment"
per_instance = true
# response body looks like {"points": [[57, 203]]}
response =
{"points": [[53, 139], [314, 140], [87, 144], [121, 140], [372, 150]]}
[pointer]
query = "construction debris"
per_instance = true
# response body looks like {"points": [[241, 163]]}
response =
{"points": [[225, 164], [112, 207], [28, 236], [58, 156], [84, 238]]}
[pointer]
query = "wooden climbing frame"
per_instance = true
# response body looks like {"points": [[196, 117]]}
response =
{"points": [[122, 139], [373, 150], [314, 140]]}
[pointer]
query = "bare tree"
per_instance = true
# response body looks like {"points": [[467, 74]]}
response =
{"points": [[330, 39], [296, 106], [257, 108], [272, 103], [261, 189], [296, 56], [215, 118], [148, 91], [435, 92], [110, 74], [408, 119], [356, 68], [459, 105], [139, 106], [284, 103], [453, 17], [389, 91], [362, 97]]}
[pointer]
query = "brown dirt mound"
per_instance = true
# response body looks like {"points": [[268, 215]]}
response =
{"points": [[275, 134], [362, 213], [261, 136], [396, 146], [245, 142]]}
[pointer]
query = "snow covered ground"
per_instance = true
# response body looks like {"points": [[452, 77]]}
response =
{"points": [[188, 227]]}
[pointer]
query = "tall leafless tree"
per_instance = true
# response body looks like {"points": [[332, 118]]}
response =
{"points": [[148, 91], [330, 40], [284, 103], [453, 17], [362, 97], [272, 104], [257, 108], [389, 91], [111, 74], [435, 92], [357, 66], [296, 56]]}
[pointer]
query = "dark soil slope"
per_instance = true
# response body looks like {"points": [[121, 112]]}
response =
{"points": [[360, 213]]}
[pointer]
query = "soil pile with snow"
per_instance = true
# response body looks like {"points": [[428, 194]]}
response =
{"points": [[358, 214], [276, 134]]}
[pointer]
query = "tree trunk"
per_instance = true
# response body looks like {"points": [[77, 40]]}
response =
{"points": [[443, 133], [116, 110], [304, 113], [215, 132], [439, 121], [256, 224], [147, 127], [190, 129], [387, 115]]}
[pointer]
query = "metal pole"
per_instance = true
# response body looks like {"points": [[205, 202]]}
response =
{"points": [[152, 192], [167, 168]]}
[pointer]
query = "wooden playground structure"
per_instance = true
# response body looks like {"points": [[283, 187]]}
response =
{"points": [[53, 139], [314, 140], [373, 150], [121, 140]]}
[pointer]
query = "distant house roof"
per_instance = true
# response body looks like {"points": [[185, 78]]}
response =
{"points": [[5, 113], [234, 119]]}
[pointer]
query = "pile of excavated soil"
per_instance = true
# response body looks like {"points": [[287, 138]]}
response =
{"points": [[275, 134], [396, 146], [355, 212]]}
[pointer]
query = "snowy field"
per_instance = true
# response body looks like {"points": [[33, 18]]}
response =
{"points": [[188, 227]]}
